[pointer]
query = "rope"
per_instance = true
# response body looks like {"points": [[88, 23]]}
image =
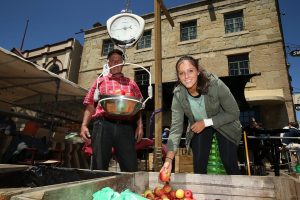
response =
{"points": [[127, 5]]}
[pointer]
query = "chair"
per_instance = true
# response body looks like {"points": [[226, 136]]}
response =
{"points": [[36, 146], [145, 146]]}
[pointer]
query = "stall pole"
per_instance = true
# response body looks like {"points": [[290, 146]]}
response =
{"points": [[247, 154], [158, 6]]}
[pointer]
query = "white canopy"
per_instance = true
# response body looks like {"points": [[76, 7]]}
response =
{"points": [[25, 84]]}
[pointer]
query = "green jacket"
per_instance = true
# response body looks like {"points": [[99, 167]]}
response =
{"points": [[220, 105]]}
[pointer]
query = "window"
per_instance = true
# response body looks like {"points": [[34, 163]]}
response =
{"points": [[188, 30], [145, 41], [107, 46], [238, 64], [234, 22], [54, 68], [141, 76]]}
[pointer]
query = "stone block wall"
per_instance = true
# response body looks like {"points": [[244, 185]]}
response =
{"points": [[261, 39]]}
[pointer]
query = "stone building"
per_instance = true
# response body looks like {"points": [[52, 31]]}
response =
{"points": [[62, 58], [228, 37]]}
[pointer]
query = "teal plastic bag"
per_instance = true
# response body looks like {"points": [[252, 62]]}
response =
{"points": [[109, 194], [129, 195], [106, 194]]}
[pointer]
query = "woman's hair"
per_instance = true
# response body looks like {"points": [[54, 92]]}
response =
{"points": [[203, 81]]}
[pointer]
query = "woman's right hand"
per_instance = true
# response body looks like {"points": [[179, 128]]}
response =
{"points": [[167, 166], [85, 134], [198, 126]]}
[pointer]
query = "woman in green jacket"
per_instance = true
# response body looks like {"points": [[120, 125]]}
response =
{"points": [[211, 109]]}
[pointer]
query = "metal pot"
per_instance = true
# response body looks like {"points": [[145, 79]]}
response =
{"points": [[120, 105]]}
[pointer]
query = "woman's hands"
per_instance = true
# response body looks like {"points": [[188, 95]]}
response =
{"points": [[165, 172], [198, 126], [167, 166]]}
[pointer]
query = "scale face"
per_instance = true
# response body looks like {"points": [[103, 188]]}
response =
{"points": [[125, 29]]}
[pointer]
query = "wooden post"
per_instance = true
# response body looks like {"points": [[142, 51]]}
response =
{"points": [[158, 87], [158, 6]]}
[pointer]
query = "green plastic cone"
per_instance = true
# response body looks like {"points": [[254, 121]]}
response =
{"points": [[215, 165]]}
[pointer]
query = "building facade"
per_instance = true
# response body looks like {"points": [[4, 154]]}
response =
{"points": [[228, 37], [62, 58]]}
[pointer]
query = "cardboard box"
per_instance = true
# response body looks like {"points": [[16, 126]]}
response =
{"points": [[184, 161]]}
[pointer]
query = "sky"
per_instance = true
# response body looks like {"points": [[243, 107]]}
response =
{"points": [[52, 21]]}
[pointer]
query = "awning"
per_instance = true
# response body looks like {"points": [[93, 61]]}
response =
{"points": [[25, 84], [236, 84], [269, 97]]}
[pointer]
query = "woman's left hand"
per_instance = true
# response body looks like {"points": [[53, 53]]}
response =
{"points": [[198, 126]]}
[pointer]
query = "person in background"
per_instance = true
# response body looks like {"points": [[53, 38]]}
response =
{"points": [[294, 132], [211, 109], [254, 124], [165, 135], [112, 132], [7, 125], [262, 155]]}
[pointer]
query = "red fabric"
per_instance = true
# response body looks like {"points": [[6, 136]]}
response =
{"points": [[106, 85], [144, 143], [88, 150], [31, 128]]}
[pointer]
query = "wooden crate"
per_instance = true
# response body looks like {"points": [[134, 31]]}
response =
{"points": [[142, 165], [183, 161], [209, 187], [150, 162], [233, 187]]}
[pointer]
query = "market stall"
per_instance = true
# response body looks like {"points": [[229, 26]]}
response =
{"points": [[32, 95], [30, 86]]}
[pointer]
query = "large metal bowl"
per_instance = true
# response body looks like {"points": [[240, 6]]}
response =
{"points": [[120, 105]]}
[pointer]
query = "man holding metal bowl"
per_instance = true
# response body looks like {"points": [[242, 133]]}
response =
{"points": [[115, 117]]}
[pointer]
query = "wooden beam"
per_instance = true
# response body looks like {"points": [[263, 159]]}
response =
{"points": [[158, 86], [158, 6], [166, 12]]}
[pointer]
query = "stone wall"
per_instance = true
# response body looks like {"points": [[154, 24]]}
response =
{"points": [[261, 39]]}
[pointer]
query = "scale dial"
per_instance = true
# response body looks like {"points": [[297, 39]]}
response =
{"points": [[125, 29]]}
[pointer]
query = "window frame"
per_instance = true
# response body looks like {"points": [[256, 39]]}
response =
{"points": [[56, 67], [141, 72], [234, 22], [107, 49], [242, 64], [188, 30], [145, 41]]}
